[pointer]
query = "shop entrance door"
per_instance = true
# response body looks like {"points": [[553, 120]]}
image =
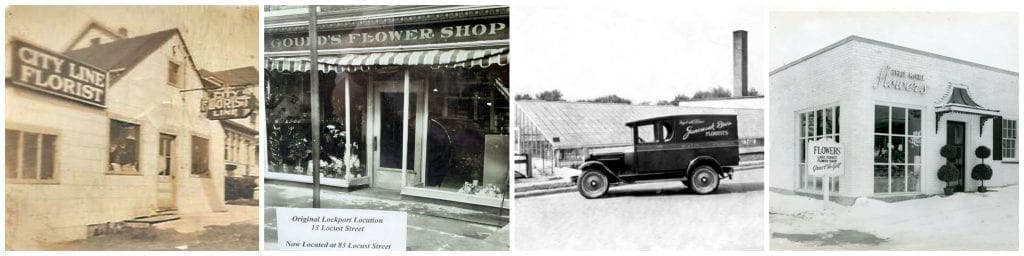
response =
{"points": [[165, 175], [387, 134], [955, 133]]}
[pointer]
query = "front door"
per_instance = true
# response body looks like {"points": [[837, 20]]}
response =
{"points": [[165, 173], [955, 135], [387, 134]]}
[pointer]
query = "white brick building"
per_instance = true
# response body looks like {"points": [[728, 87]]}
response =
{"points": [[892, 108], [75, 169]]}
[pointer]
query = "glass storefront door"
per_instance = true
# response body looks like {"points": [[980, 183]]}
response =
{"points": [[387, 134]]}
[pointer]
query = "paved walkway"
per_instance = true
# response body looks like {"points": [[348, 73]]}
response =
{"points": [[431, 227]]}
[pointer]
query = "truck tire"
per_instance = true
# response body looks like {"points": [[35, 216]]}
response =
{"points": [[704, 180], [592, 184]]}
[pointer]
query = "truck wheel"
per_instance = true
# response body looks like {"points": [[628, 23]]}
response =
{"points": [[593, 184], [704, 180]]}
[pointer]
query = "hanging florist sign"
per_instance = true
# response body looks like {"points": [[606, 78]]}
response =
{"points": [[228, 103], [52, 73]]}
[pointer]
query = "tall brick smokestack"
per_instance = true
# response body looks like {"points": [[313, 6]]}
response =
{"points": [[739, 63]]}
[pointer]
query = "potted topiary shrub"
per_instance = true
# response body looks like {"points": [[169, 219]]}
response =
{"points": [[948, 172], [982, 171]]}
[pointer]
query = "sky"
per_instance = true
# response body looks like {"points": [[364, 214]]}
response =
{"points": [[985, 38], [219, 37], [640, 52]]}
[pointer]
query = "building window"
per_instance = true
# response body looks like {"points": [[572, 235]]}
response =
{"points": [[30, 156], [1009, 145], [816, 124], [173, 73], [897, 150], [200, 156], [124, 147]]}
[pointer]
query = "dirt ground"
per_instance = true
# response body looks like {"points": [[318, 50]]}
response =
{"points": [[234, 237]]}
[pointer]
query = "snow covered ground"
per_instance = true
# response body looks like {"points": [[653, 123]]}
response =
{"points": [[963, 221]]}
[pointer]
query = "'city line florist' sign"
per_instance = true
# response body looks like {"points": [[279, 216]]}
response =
{"points": [[39, 69], [824, 158], [228, 103], [340, 229], [901, 80]]}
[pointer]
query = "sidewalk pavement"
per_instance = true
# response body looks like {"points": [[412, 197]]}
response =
{"points": [[562, 181], [431, 227], [244, 214]]}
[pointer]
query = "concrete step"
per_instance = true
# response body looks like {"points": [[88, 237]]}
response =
{"points": [[144, 221]]}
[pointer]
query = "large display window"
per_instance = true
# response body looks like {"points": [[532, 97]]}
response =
{"points": [[897, 149], [816, 124]]}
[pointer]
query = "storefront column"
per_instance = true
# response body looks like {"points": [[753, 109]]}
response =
{"points": [[405, 127], [348, 130]]}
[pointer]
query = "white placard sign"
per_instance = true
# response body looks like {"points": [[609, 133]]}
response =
{"points": [[824, 158], [340, 229]]}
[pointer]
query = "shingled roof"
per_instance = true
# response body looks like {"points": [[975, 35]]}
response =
{"points": [[239, 76], [122, 54], [584, 124]]}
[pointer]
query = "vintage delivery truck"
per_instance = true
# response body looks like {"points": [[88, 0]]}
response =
{"points": [[699, 150]]}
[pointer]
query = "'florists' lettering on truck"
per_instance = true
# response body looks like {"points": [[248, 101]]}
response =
{"points": [[713, 129]]}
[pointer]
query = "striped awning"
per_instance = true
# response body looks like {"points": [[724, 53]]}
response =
{"points": [[363, 62]]}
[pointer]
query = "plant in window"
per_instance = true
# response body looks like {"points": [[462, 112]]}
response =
{"points": [[948, 172], [982, 171]]}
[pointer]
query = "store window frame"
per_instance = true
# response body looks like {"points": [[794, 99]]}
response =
{"points": [[54, 155], [907, 137], [138, 148], [1008, 149], [808, 129]]}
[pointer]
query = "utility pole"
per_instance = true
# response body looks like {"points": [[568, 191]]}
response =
{"points": [[314, 96]]}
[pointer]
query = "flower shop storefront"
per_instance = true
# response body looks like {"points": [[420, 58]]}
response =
{"points": [[398, 107], [911, 122]]}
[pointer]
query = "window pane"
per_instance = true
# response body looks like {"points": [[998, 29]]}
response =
{"points": [[124, 146], [881, 149], [881, 179], [835, 184], [817, 183], [818, 123], [837, 120], [810, 124], [914, 150], [899, 178], [803, 123], [899, 120], [48, 160], [914, 122], [666, 131], [899, 149], [828, 121], [913, 178], [881, 119], [29, 160], [11, 155], [645, 133], [803, 151]]}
